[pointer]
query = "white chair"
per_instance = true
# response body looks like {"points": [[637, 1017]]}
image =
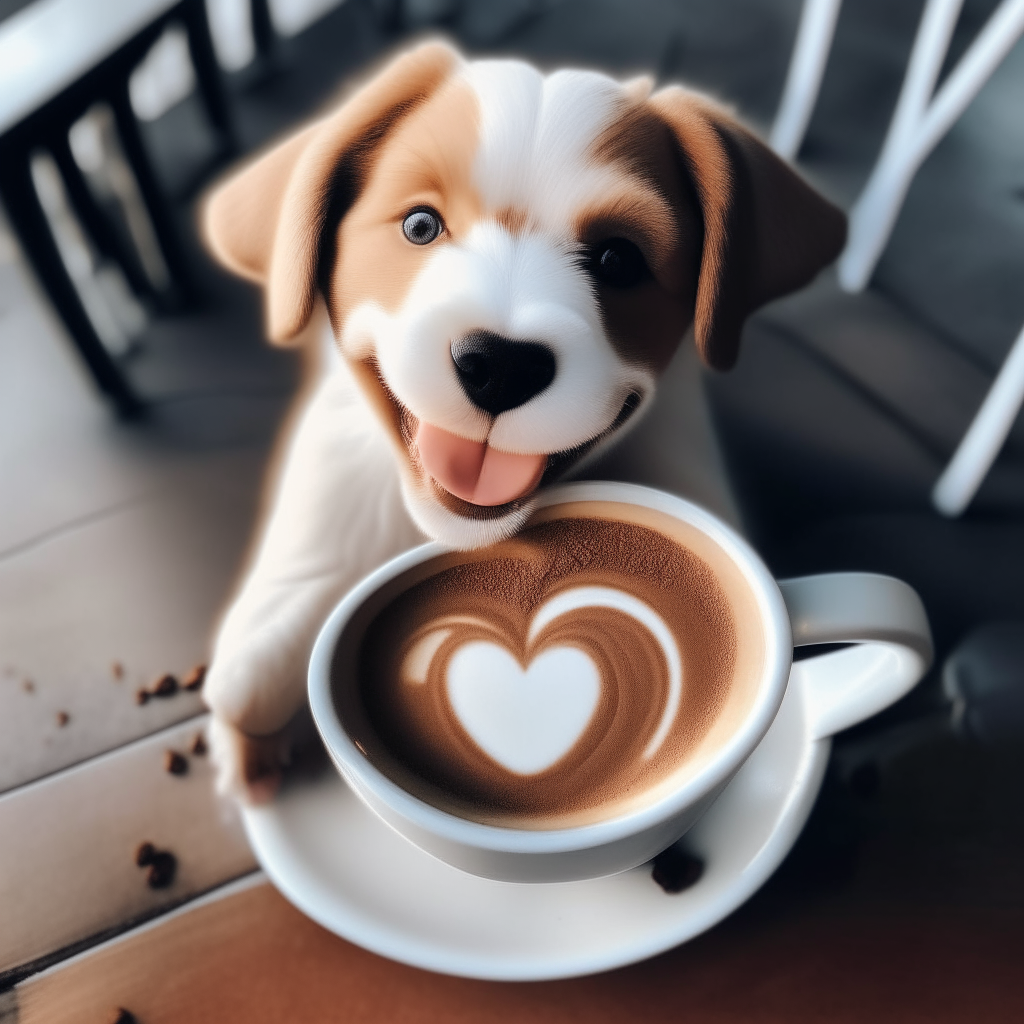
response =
{"points": [[921, 118], [803, 80], [985, 436]]}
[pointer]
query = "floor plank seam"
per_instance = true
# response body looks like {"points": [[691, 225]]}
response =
{"points": [[197, 720], [79, 522], [16, 975]]}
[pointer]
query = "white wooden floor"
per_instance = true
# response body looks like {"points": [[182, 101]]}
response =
{"points": [[118, 545]]}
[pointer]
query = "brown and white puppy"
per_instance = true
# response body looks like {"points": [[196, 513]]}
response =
{"points": [[508, 261]]}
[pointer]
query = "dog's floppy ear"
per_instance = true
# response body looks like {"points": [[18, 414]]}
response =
{"points": [[766, 231], [266, 222]]}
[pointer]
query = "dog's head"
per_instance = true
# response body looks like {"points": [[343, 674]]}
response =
{"points": [[510, 259]]}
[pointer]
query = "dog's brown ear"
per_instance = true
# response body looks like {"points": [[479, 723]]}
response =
{"points": [[766, 231], [265, 223]]}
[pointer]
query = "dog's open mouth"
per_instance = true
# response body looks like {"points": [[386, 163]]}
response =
{"points": [[474, 480], [474, 471]]}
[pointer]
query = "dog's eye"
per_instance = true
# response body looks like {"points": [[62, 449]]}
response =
{"points": [[421, 226], [618, 262]]}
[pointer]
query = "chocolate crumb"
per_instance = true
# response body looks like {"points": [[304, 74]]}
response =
{"points": [[28, 686], [144, 854], [198, 746], [194, 680], [165, 686], [675, 869], [123, 1016], [175, 763], [117, 671], [142, 695], [63, 718], [161, 869]]}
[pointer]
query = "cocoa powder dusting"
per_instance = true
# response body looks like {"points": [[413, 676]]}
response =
{"points": [[492, 595]]}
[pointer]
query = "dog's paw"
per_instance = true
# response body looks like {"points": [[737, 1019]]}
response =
{"points": [[247, 768]]}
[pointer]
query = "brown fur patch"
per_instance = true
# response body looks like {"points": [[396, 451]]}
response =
{"points": [[368, 376], [657, 210], [266, 222], [514, 221], [427, 160], [701, 147], [766, 231], [238, 235]]}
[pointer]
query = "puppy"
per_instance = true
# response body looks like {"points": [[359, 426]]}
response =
{"points": [[508, 262]]}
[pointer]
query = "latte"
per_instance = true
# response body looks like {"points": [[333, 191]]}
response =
{"points": [[571, 674]]}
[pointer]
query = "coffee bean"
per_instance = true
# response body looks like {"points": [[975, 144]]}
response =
{"points": [[117, 670], [63, 718], [675, 869], [165, 686], [198, 745], [194, 680], [142, 695], [175, 763], [123, 1016], [161, 869], [162, 865]]}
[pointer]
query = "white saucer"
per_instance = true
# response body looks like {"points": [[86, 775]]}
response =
{"points": [[341, 865]]}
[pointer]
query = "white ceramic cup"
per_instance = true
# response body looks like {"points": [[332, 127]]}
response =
{"points": [[882, 616]]}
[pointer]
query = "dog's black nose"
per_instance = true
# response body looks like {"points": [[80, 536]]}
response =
{"points": [[499, 373]]}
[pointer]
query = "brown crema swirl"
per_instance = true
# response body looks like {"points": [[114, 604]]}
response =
{"points": [[407, 726]]}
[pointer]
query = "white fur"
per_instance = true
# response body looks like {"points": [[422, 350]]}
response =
{"points": [[536, 137], [338, 513]]}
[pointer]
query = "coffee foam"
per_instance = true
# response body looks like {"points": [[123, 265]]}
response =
{"points": [[650, 603]]}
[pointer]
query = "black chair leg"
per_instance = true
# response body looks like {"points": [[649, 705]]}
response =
{"points": [[152, 195], [208, 74], [96, 222], [263, 32], [33, 230]]}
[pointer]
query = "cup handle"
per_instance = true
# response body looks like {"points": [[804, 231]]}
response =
{"points": [[885, 620]]}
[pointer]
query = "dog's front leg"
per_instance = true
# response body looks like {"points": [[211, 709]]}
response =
{"points": [[337, 514]]}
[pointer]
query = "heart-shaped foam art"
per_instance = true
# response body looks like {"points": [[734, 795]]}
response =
{"points": [[529, 719], [525, 720]]}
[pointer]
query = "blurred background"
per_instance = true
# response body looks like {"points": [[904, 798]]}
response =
{"points": [[139, 401]]}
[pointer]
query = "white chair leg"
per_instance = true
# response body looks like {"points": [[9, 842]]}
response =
{"points": [[874, 214], [985, 436], [986, 53], [917, 125], [803, 80]]}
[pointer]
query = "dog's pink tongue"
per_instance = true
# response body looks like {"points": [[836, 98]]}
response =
{"points": [[475, 472]]}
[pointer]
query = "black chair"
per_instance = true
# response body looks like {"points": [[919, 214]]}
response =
{"points": [[46, 128]]}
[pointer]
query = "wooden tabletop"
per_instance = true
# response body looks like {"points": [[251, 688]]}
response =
{"points": [[902, 901], [249, 956]]}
